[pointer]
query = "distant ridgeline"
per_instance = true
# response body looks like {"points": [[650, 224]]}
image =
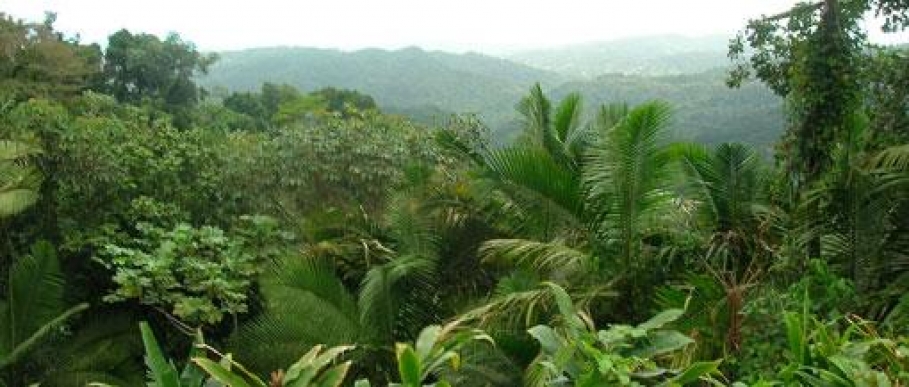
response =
{"points": [[429, 85]]}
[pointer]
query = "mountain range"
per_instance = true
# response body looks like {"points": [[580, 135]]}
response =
{"points": [[428, 85]]}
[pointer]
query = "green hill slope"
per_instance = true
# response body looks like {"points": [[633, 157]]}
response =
{"points": [[426, 85]]}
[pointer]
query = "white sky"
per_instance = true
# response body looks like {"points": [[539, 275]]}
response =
{"points": [[457, 25]]}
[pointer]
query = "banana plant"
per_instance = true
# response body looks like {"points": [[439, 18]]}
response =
{"points": [[312, 370]]}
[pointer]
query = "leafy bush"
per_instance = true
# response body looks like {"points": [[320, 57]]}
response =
{"points": [[197, 274]]}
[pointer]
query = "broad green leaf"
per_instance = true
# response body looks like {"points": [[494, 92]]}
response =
{"points": [[427, 339], [660, 320], [695, 371], [409, 368], [223, 375], [547, 337], [661, 342], [162, 371], [333, 377]]}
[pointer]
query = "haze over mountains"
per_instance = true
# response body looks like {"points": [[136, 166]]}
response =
{"points": [[656, 55], [428, 85]]}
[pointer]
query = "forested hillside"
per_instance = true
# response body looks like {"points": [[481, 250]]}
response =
{"points": [[402, 79], [438, 84], [630, 230], [705, 109]]}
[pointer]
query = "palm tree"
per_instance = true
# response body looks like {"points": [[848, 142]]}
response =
{"points": [[728, 184], [627, 176], [595, 186]]}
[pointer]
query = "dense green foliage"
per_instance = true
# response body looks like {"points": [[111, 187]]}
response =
{"points": [[312, 239]]}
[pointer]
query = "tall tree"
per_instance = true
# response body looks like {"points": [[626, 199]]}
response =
{"points": [[37, 61], [811, 55], [142, 68]]}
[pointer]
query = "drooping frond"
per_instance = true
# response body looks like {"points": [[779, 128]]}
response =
{"points": [[546, 257], [533, 169], [893, 158], [526, 305]]}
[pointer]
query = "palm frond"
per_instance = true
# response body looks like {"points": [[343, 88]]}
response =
{"points": [[524, 307], [305, 304], [728, 181], [555, 258], [411, 227], [567, 116], [609, 115], [381, 293], [19, 180], [532, 168], [893, 158], [34, 297], [565, 125], [535, 108], [103, 349]]}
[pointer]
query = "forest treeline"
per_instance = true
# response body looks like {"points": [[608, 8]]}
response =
{"points": [[154, 233]]}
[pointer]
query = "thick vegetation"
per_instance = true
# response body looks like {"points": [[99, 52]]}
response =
{"points": [[155, 234]]}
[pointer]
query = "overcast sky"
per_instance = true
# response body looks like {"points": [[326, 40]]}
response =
{"points": [[457, 25]]}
